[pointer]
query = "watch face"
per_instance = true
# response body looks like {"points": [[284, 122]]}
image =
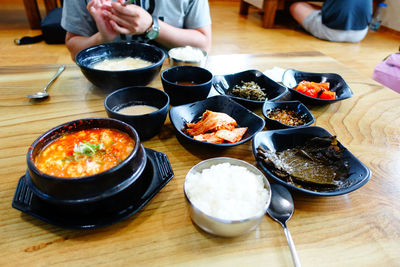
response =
{"points": [[152, 34]]}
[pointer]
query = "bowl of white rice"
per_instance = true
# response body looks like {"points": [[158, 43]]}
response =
{"points": [[187, 55], [227, 197]]}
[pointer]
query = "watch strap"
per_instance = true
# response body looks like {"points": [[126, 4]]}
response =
{"points": [[154, 29]]}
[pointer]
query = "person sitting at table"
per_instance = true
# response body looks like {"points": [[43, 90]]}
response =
{"points": [[337, 20], [165, 23]]}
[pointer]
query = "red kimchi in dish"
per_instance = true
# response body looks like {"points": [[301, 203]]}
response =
{"points": [[216, 127]]}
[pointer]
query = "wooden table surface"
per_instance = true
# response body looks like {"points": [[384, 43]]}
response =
{"points": [[361, 228]]}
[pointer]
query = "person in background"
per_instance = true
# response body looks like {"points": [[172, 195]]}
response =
{"points": [[169, 23], [337, 21]]}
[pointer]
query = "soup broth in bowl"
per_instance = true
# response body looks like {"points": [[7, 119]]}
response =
{"points": [[135, 110], [127, 63], [84, 153]]}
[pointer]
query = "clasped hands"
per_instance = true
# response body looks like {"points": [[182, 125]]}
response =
{"points": [[114, 18]]}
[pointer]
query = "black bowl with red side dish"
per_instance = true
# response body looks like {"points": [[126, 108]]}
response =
{"points": [[90, 188], [291, 78]]}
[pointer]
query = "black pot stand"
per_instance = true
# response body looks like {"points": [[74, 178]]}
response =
{"points": [[158, 172]]}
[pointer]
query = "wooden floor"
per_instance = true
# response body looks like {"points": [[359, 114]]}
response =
{"points": [[232, 33]]}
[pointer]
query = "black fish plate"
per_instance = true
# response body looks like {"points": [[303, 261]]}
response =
{"points": [[279, 140]]}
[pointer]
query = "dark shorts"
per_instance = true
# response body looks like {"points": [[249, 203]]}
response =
{"points": [[313, 24]]}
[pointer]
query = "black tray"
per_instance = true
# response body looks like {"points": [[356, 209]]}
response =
{"points": [[158, 173]]}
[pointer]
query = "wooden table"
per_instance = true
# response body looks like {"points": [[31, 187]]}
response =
{"points": [[358, 229]]}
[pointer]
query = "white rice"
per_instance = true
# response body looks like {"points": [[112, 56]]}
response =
{"points": [[227, 192], [187, 53]]}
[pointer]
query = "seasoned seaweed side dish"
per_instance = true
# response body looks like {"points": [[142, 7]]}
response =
{"points": [[317, 165]]}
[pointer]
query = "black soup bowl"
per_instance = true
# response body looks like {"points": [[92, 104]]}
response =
{"points": [[186, 84], [146, 125], [91, 188], [111, 79]]}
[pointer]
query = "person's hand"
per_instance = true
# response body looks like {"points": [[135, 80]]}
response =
{"points": [[130, 19], [97, 9]]}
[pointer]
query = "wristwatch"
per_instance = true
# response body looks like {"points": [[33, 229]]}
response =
{"points": [[154, 30]]}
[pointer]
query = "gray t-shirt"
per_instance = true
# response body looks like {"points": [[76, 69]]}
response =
{"points": [[187, 14]]}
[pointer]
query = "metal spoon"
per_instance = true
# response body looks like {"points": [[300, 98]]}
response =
{"points": [[43, 94], [281, 210]]}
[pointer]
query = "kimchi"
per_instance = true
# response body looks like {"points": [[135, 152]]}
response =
{"points": [[216, 127]]}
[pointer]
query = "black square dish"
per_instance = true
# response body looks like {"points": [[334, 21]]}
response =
{"points": [[279, 140], [300, 110], [180, 115], [293, 77], [224, 84]]}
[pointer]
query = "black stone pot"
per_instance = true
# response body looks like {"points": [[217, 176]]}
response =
{"points": [[88, 188]]}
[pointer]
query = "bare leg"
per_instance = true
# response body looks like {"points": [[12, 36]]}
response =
{"points": [[301, 10]]}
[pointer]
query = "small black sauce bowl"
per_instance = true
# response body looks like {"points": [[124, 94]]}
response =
{"points": [[90, 188], [183, 94], [292, 77], [295, 106], [111, 80], [224, 84], [146, 125]]}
